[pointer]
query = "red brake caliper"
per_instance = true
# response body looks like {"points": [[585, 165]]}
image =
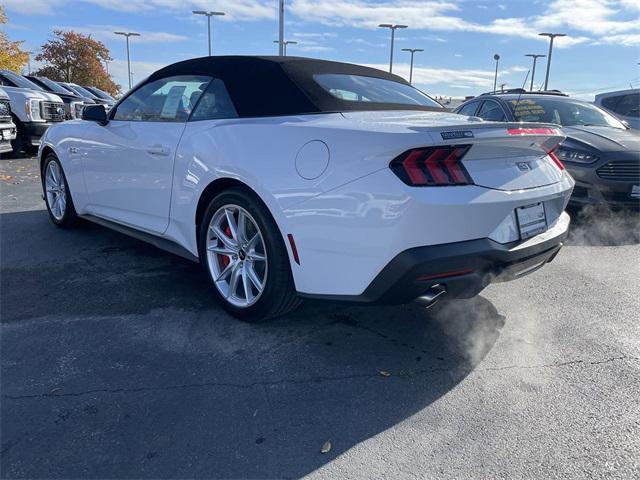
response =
{"points": [[223, 258]]}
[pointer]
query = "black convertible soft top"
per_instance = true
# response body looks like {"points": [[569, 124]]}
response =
{"points": [[275, 86]]}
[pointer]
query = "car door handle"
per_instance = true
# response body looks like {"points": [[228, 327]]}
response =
{"points": [[158, 150]]}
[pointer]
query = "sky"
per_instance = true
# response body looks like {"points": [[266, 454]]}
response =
{"points": [[460, 37]]}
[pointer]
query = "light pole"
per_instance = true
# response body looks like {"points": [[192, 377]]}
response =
{"points": [[551, 37], [281, 46], [496, 57], [127, 35], [535, 57], [284, 46], [393, 36], [412, 50], [502, 85], [208, 14], [29, 53]]}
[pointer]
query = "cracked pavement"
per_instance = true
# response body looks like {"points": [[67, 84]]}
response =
{"points": [[116, 362]]}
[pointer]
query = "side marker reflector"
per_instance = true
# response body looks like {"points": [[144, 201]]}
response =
{"points": [[294, 250], [453, 273]]}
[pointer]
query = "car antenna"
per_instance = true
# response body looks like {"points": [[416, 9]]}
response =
{"points": [[520, 94]]}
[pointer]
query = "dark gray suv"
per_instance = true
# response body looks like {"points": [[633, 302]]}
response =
{"points": [[600, 152]]}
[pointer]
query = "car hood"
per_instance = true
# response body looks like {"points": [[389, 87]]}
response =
{"points": [[27, 92], [604, 139]]}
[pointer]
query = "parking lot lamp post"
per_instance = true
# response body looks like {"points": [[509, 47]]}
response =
{"points": [[29, 53], [281, 46], [127, 35], [412, 50], [496, 57], [535, 57], [393, 36], [208, 14], [551, 37], [284, 46]]}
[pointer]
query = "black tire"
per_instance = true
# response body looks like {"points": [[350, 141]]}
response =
{"points": [[70, 217], [279, 295]]}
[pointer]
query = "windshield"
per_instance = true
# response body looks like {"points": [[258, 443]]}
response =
{"points": [[52, 85], [358, 88], [82, 91], [101, 93], [565, 112], [18, 80]]}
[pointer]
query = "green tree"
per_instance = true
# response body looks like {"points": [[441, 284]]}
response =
{"points": [[12, 57], [74, 57]]}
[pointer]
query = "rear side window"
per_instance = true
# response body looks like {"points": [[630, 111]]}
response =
{"points": [[358, 88], [169, 99], [610, 102], [629, 105], [215, 103], [469, 109], [492, 112]]}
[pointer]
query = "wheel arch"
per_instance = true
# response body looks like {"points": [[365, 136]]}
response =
{"points": [[221, 184]]}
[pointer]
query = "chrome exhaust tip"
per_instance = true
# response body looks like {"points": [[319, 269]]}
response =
{"points": [[431, 296]]}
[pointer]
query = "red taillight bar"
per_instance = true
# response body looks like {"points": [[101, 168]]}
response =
{"points": [[556, 160], [533, 131], [432, 166]]}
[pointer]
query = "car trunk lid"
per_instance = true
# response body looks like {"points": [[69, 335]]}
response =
{"points": [[503, 156]]}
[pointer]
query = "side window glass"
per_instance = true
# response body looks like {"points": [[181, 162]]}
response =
{"points": [[610, 103], [215, 103], [469, 109], [169, 99], [492, 112], [629, 105]]}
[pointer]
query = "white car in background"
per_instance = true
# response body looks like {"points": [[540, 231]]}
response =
{"points": [[293, 177]]}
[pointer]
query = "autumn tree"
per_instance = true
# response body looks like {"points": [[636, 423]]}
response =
{"points": [[12, 57], [74, 57]]}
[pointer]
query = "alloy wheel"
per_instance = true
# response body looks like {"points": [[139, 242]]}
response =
{"points": [[236, 256], [56, 190]]}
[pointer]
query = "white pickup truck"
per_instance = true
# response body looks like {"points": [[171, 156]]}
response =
{"points": [[33, 111], [7, 127]]}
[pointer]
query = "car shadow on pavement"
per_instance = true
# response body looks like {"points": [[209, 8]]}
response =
{"points": [[117, 362], [601, 226]]}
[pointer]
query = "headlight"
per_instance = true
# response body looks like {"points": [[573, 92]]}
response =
{"points": [[75, 109], [32, 109], [571, 155]]}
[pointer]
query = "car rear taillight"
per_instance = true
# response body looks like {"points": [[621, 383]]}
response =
{"points": [[432, 166], [556, 160]]}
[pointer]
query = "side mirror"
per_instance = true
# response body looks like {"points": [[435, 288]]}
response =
{"points": [[95, 113]]}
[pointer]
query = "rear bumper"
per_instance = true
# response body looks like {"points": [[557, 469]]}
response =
{"points": [[464, 268]]}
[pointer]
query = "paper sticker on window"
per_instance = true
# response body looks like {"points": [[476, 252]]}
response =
{"points": [[172, 102]]}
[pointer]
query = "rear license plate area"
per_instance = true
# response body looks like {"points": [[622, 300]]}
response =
{"points": [[532, 220]]}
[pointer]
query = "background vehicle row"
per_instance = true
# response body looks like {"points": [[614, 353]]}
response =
{"points": [[33, 104]]}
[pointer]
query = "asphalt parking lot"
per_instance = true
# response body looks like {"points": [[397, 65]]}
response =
{"points": [[117, 363]]}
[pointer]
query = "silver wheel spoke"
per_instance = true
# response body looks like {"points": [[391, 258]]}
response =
{"points": [[222, 250], [227, 270], [233, 281], [231, 221], [256, 256], [248, 294], [242, 228], [253, 276], [220, 235]]}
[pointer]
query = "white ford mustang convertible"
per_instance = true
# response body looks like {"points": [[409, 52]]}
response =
{"points": [[291, 177]]}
